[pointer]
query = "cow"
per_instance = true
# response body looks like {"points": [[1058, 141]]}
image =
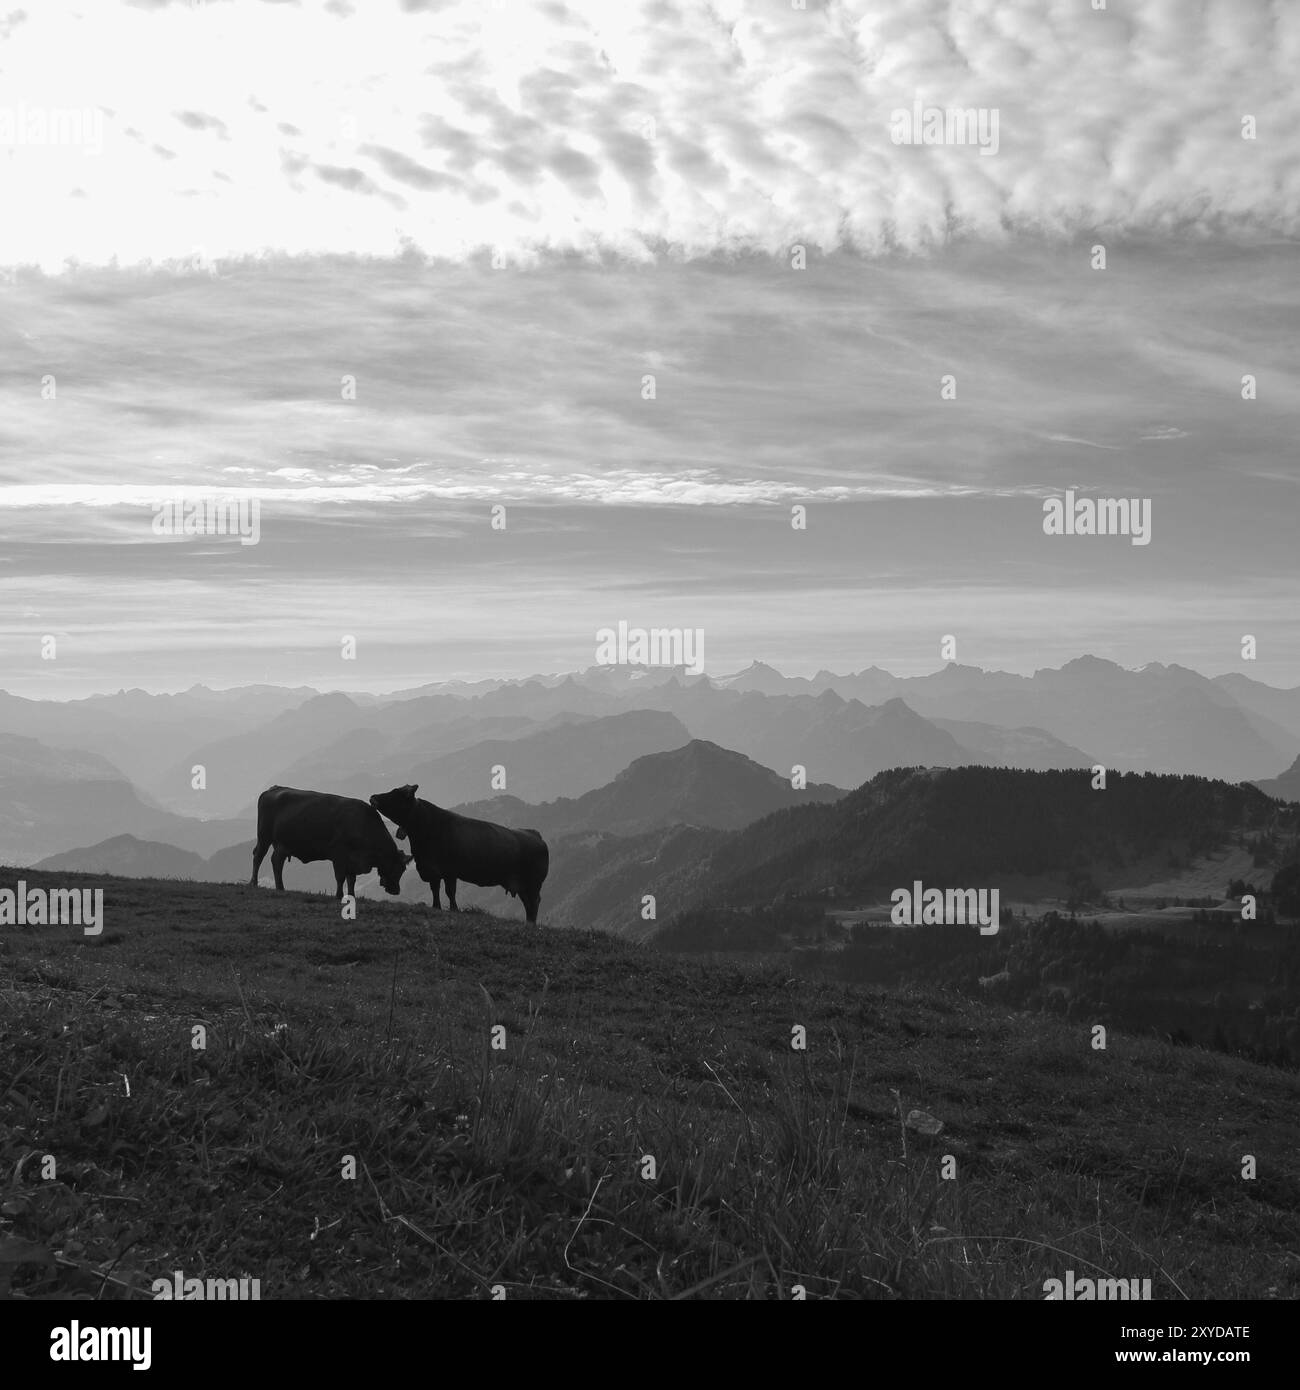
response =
{"points": [[448, 847], [318, 825]]}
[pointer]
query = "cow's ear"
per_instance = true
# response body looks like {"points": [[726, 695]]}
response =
{"points": [[412, 787]]}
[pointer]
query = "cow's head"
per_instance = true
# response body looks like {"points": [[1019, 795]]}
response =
{"points": [[391, 875], [398, 805]]}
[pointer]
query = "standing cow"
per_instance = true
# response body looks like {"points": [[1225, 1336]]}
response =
{"points": [[319, 825], [448, 847]]}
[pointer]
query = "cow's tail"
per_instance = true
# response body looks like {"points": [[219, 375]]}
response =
{"points": [[265, 816]]}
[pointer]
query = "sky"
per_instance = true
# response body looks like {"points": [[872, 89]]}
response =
{"points": [[650, 277]]}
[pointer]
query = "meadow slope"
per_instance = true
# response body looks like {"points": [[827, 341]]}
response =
{"points": [[523, 1168]]}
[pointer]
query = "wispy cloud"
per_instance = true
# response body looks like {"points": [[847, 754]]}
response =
{"points": [[626, 128], [1090, 443]]}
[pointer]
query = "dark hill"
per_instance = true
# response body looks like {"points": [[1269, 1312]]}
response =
{"points": [[697, 784], [952, 827], [129, 857], [960, 826]]}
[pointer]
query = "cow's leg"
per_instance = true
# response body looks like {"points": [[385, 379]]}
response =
{"points": [[352, 886], [531, 900], [450, 885], [259, 853], [435, 885], [340, 874], [278, 856]]}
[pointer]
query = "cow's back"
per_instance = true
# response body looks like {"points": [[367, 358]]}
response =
{"points": [[277, 802], [305, 821], [480, 851], [521, 856]]}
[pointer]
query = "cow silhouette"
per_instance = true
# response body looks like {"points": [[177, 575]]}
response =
{"points": [[319, 825], [449, 847]]}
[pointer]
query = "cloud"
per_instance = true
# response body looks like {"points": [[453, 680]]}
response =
{"points": [[771, 385], [198, 120], [497, 218], [634, 128], [1070, 439]]}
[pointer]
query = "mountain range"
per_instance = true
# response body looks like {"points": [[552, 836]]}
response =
{"points": [[698, 784], [53, 798], [76, 773]]}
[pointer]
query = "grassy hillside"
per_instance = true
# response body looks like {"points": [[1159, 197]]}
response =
{"points": [[522, 1167]]}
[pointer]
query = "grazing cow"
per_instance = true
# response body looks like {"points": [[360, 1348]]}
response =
{"points": [[319, 825], [448, 847]]}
